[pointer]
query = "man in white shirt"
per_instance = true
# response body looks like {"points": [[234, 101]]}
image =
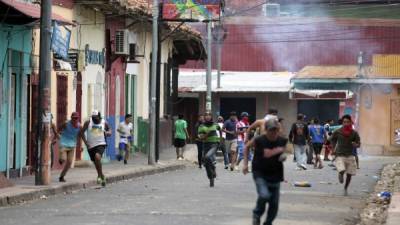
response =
{"points": [[125, 129]]}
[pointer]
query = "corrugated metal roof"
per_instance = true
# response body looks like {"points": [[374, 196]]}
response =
{"points": [[31, 10], [290, 20], [327, 72], [195, 81]]}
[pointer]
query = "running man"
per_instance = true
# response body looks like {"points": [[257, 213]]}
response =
{"points": [[95, 140], [231, 138], [299, 136], [241, 129], [259, 125], [125, 130], [181, 136], [199, 142], [344, 140], [327, 146], [208, 133], [267, 169], [69, 138], [317, 134], [222, 145]]}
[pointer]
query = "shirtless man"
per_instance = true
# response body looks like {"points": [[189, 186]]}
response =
{"points": [[259, 125]]}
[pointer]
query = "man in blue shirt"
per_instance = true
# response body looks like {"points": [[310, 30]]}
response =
{"points": [[68, 140], [317, 134]]}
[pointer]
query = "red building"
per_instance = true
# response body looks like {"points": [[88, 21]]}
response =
{"points": [[289, 44]]}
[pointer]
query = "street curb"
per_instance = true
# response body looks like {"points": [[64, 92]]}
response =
{"points": [[76, 186]]}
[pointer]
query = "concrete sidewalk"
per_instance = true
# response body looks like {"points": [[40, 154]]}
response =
{"points": [[394, 207], [24, 188]]}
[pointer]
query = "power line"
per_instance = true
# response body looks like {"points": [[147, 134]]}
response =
{"points": [[311, 40]]}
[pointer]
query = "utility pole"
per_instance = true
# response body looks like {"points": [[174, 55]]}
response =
{"points": [[42, 175], [208, 75], [153, 84]]}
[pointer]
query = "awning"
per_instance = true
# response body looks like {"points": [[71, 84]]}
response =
{"points": [[320, 94], [19, 13], [336, 78], [236, 82]]}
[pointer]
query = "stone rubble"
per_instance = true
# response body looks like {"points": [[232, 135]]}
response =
{"points": [[376, 209]]}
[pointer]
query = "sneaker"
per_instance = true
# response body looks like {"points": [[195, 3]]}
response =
{"points": [[212, 182], [226, 167], [99, 180], [341, 180], [61, 179], [236, 168], [303, 167], [103, 182]]}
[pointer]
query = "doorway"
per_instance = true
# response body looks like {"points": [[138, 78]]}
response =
{"points": [[238, 105], [323, 110]]}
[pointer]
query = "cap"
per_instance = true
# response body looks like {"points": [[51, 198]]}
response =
{"points": [[244, 114], [95, 113], [271, 124], [75, 115]]}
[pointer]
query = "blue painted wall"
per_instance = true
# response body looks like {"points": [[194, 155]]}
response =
{"points": [[15, 39], [111, 151]]}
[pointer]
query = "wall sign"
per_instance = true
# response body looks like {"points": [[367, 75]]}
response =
{"points": [[191, 9], [72, 60], [60, 40], [94, 57]]}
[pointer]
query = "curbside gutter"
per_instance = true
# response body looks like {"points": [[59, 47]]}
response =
{"points": [[42, 192]]}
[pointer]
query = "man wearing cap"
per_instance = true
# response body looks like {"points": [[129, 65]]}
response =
{"points": [[95, 140], [69, 138], [231, 138], [267, 167], [241, 128]]}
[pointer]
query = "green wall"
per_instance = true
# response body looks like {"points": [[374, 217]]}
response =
{"points": [[17, 41]]}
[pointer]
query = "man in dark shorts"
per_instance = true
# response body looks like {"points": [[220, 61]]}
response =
{"points": [[267, 167], [95, 140], [317, 134], [181, 135]]}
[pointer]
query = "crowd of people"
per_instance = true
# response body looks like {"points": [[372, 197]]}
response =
{"points": [[93, 133], [264, 143]]}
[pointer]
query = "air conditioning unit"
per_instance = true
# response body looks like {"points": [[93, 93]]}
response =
{"points": [[272, 10], [121, 42]]}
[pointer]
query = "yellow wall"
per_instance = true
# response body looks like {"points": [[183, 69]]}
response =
{"points": [[375, 122]]}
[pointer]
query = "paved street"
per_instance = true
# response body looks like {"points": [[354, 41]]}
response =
{"points": [[184, 198]]}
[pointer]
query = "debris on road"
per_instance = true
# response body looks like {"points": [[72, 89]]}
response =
{"points": [[376, 210], [302, 184]]}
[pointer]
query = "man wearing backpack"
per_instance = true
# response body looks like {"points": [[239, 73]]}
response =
{"points": [[299, 136]]}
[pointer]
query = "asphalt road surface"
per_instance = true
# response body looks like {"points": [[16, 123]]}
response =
{"points": [[184, 198]]}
